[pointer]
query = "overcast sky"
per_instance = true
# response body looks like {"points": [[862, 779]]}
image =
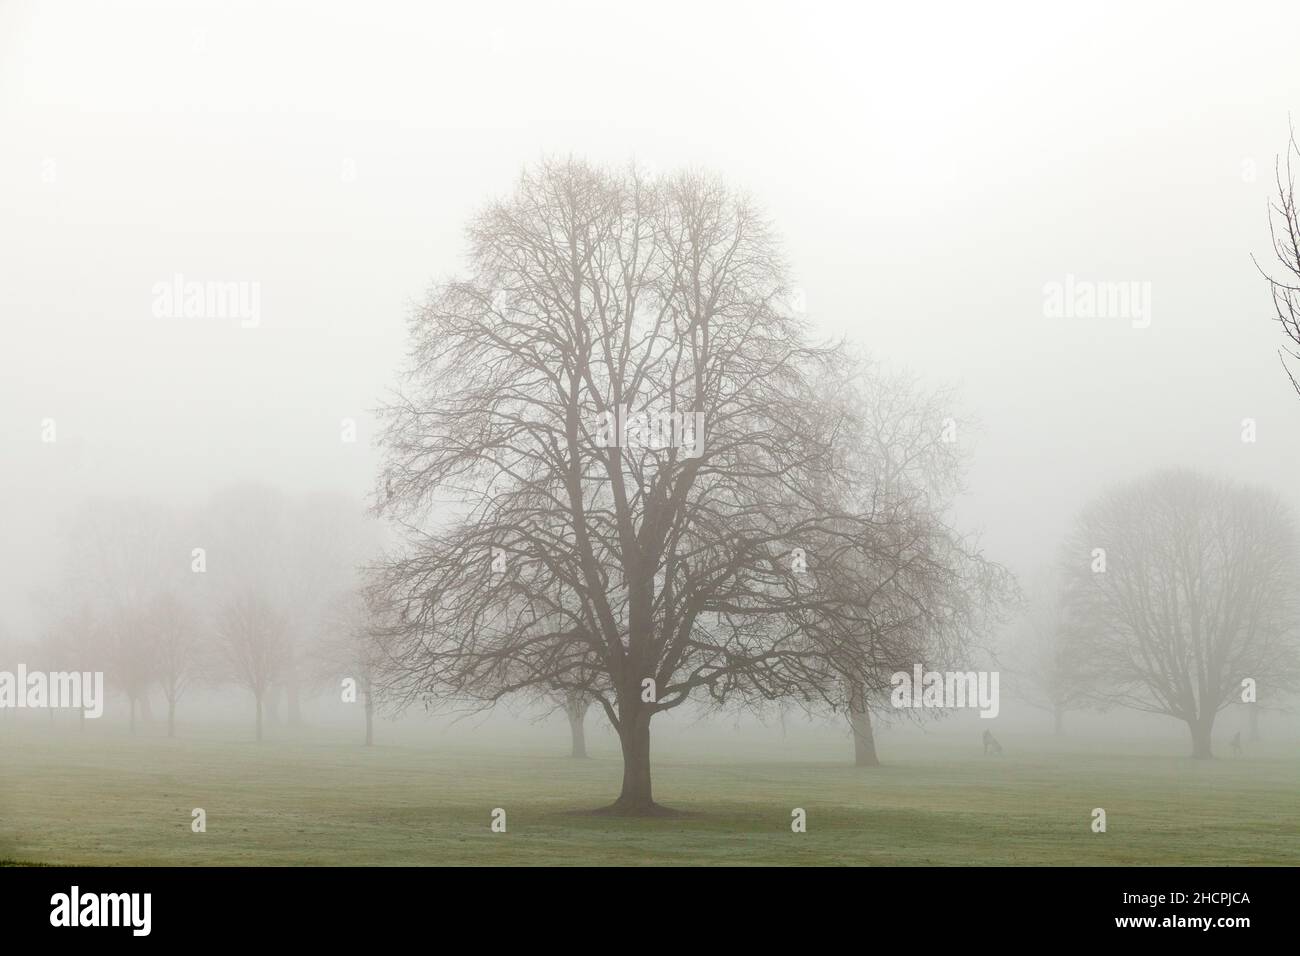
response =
{"points": [[929, 168]]}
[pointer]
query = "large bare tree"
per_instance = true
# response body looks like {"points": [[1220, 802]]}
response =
{"points": [[615, 468], [1179, 588]]}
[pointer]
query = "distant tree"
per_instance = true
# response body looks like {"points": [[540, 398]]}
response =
{"points": [[177, 650], [69, 636], [1180, 587], [328, 538], [120, 554], [132, 656], [576, 704], [922, 593], [244, 531], [348, 650], [1046, 668], [300, 556], [253, 644]]}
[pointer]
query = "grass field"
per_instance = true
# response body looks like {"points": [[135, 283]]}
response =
{"points": [[110, 799]]}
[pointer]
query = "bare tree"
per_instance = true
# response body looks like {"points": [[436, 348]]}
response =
{"points": [[1046, 667], [120, 554], [131, 654], [348, 649], [176, 648], [1181, 587], [1284, 228], [253, 644], [70, 635], [328, 538], [244, 531], [576, 704], [617, 415], [924, 593]]}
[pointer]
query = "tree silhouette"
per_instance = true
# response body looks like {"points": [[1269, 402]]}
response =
{"points": [[1196, 594], [618, 469]]}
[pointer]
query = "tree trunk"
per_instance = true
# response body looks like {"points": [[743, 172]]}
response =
{"points": [[259, 717], [1202, 728], [370, 720], [634, 736], [579, 734], [864, 739], [171, 718], [1058, 722], [634, 716], [1253, 733]]}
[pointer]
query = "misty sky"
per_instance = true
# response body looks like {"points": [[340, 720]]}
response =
{"points": [[929, 169]]}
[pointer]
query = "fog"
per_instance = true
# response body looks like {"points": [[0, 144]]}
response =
{"points": [[929, 173]]}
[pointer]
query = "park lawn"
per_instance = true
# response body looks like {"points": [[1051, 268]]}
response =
{"points": [[314, 800]]}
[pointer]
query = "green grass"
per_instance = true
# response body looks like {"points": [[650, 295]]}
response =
{"points": [[110, 799]]}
